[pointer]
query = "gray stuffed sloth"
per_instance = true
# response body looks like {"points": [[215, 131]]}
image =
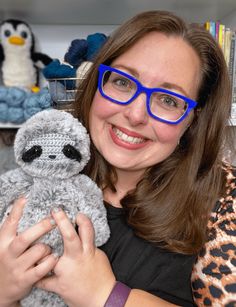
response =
{"points": [[52, 148]]}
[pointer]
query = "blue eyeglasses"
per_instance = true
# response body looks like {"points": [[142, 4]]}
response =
{"points": [[163, 105]]}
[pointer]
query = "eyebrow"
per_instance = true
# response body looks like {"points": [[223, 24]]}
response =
{"points": [[166, 85], [129, 69], [172, 86]]}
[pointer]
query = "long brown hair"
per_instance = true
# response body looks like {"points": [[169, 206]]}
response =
{"points": [[171, 204]]}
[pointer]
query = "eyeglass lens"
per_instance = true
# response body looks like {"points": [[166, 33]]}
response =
{"points": [[122, 89]]}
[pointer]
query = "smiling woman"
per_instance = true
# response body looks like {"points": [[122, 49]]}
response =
{"points": [[158, 167]]}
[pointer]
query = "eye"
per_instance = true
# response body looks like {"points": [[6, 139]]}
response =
{"points": [[7, 33], [24, 34], [170, 101], [122, 83], [119, 81], [32, 153], [71, 152]]}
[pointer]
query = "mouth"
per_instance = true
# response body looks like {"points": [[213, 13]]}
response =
{"points": [[127, 139]]}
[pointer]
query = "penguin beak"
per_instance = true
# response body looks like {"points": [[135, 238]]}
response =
{"points": [[16, 40]]}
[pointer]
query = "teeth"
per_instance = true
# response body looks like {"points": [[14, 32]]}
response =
{"points": [[126, 138]]}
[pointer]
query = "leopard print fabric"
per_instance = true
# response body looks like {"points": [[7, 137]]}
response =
{"points": [[214, 274]]}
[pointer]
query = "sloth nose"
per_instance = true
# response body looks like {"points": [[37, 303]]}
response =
{"points": [[52, 156]]}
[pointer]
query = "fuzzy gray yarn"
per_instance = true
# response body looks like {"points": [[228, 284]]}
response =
{"points": [[51, 180]]}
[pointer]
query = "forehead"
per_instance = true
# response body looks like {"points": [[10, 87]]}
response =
{"points": [[157, 42], [159, 58], [51, 140]]}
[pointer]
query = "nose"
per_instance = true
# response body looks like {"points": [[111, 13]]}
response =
{"points": [[52, 157], [136, 112]]}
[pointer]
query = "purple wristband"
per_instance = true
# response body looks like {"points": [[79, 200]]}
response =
{"points": [[118, 295]]}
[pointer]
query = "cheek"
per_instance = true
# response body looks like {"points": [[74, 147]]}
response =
{"points": [[102, 108], [169, 133]]}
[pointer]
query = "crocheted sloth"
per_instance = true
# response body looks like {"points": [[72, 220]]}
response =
{"points": [[52, 148]]}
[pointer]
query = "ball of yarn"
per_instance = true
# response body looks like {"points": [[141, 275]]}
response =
{"points": [[77, 52]]}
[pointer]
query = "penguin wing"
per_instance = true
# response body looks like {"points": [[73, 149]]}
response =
{"points": [[40, 59], [1, 54]]}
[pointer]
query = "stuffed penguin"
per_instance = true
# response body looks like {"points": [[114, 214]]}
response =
{"points": [[20, 62], [52, 148]]}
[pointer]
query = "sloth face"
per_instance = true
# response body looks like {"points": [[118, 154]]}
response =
{"points": [[52, 154]]}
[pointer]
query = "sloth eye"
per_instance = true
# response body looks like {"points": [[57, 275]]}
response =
{"points": [[71, 152], [32, 153]]}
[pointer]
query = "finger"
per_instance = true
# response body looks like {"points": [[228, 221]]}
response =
{"points": [[71, 240], [42, 259], [86, 233], [27, 237], [48, 284], [11, 222], [35, 254], [42, 269]]}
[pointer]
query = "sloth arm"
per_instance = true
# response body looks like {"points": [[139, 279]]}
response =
{"points": [[93, 196], [13, 184]]}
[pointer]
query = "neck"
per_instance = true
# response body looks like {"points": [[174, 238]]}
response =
{"points": [[126, 181]]}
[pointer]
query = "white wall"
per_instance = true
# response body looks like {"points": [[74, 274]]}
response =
{"points": [[54, 40], [230, 20]]}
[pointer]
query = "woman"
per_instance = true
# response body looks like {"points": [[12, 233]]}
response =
{"points": [[156, 103]]}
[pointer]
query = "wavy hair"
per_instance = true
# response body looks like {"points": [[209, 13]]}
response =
{"points": [[170, 205]]}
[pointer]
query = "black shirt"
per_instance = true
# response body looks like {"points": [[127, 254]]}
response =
{"points": [[141, 265]]}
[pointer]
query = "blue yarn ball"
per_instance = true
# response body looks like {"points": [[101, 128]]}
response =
{"points": [[16, 115], [77, 52], [45, 100], [3, 93], [16, 96], [95, 43], [56, 70], [30, 112], [3, 112]]}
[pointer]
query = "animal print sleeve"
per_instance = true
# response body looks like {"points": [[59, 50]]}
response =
{"points": [[214, 274]]}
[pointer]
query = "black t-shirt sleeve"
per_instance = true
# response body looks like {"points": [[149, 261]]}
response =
{"points": [[141, 265]]}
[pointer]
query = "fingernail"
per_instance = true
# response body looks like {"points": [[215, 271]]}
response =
{"points": [[21, 196], [56, 209], [55, 255], [20, 199], [52, 222]]}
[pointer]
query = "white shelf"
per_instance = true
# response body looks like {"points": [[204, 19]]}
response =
{"points": [[9, 126]]}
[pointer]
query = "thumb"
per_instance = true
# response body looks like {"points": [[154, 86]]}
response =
{"points": [[47, 283]]}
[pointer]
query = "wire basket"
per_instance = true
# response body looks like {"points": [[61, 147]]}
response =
{"points": [[63, 92]]}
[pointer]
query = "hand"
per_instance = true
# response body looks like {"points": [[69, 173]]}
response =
{"points": [[83, 275], [18, 258]]}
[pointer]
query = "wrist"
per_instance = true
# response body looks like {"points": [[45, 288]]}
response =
{"points": [[118, 295]]}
